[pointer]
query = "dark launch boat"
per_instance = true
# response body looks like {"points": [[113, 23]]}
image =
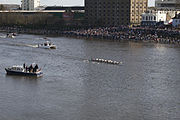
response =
{"points": [[22, 71]]}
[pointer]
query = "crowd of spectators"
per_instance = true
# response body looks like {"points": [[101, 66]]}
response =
{"points": [[130, 33], [125, 33]]}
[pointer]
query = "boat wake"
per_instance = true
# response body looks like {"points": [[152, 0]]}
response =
{"points": [[19, 44], [45, 38], [86, 61], [2, 36], [33, 46]]}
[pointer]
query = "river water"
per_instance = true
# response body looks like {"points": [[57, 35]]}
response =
{"points": [[145, 87]]}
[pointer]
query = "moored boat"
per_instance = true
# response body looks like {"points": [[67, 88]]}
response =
{"points": [[24, 71], [47, 45]]}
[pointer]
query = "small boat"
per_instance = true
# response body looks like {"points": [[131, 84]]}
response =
{"points": [[22, 71], [47, 45], [10, 35], [106, 61]]}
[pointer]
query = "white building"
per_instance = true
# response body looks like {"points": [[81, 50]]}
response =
{"points": [[176, 21], [171, 7], [152, 18], [30, 4]]}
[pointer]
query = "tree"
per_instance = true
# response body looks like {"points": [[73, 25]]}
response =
{"points": [[2, 7]]}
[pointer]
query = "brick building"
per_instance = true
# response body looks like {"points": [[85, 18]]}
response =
{"points": [[114, 12]]}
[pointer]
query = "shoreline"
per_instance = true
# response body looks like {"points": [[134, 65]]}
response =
{"points": [[137, 34]]}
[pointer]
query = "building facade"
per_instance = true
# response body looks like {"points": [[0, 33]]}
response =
{"points": [[71, 8], [30, 4], [153, 18], [114, 12], [167, 4], [176, 21], [137, 8]]}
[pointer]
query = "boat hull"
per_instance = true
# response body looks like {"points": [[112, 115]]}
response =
{"points": [[9, 72], [47, 47]]}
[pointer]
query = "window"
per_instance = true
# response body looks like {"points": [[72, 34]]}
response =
{"points": [[143, 18]]}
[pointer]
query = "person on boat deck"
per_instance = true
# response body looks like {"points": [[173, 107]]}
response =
{"points": [[27, 69], [35, 68], [24, 65], [31, 68]]}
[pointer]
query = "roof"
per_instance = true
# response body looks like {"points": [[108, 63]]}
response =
{"points": [[17, 66], [31, 11], [37, 11], [65, 8]]}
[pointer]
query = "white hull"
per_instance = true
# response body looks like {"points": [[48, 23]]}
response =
{"points": [[10, 36], [20, 70]]}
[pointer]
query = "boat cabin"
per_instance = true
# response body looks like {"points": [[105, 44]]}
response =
{"points": [[17, 68], [47, 43]]}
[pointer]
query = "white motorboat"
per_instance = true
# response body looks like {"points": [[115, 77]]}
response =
{"points": [[21, 71], [10, 35], [47, 45]]}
